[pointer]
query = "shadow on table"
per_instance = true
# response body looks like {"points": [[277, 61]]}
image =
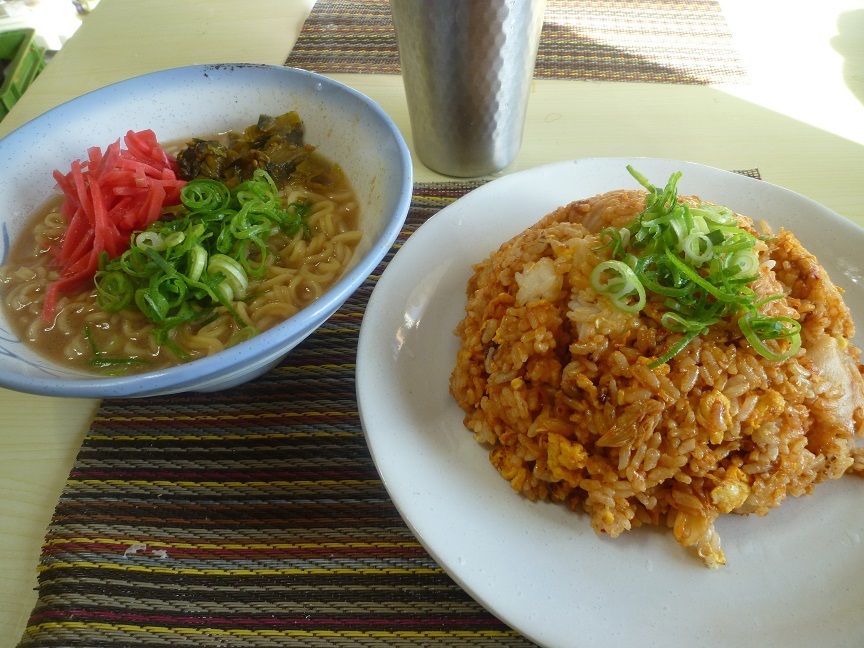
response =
{"points": [[568, 53], [603, 43], [849, 43]]}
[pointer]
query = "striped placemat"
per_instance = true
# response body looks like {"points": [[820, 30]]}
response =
{"points": [[250, 518], [662, 41]]}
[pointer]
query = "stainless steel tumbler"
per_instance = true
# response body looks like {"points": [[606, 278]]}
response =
{"points": [[467, 66]]}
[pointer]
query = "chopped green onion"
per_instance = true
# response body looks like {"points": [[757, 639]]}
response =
{"points": [[618, 281], [99, 359], [675, 349], [175, 238], [699, 261], [679, 324], [743, 264], [617, 238], [205, 196], [150, 239], [759, 329], [716, 214], [697, 247], [235, 282], [201, 255], [197, 263], [114, 290]]}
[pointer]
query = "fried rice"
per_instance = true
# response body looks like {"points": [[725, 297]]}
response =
{"points": [[557, 382]]}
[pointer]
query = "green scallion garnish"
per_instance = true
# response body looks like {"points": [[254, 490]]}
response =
{"points": [[202, 256], [102, 361], [701, 262]]}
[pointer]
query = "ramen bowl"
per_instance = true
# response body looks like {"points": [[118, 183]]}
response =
{"points": [[195, 101]]}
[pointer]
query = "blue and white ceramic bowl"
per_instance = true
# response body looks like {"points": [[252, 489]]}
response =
{"points": [[345, 126]]}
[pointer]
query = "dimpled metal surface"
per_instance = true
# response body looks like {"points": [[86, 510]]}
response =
{"points": [[467, 66]]}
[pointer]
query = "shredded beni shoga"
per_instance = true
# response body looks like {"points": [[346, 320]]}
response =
{"points": [[700, 262]]}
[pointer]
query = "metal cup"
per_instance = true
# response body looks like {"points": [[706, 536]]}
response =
{"points": [[467, 66]]}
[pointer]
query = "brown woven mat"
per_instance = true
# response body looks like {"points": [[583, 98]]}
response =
{"points": [[250, 518], [662, 41]]}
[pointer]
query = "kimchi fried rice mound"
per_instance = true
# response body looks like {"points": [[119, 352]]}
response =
{"points": [[557, 381]]}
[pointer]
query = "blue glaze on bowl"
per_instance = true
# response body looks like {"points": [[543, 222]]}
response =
{"points": [[177, 104]]}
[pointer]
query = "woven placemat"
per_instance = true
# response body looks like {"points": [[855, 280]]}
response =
{"points": [[662, 41], [251, 517]]}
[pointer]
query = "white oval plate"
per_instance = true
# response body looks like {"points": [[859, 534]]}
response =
{"points": [[793, 578]]}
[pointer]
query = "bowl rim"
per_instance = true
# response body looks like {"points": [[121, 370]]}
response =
{"points": [[263, 347]]}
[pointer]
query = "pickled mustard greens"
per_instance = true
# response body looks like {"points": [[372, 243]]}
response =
{"points": [[274, 144], [700, 262], [199, 255]]}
